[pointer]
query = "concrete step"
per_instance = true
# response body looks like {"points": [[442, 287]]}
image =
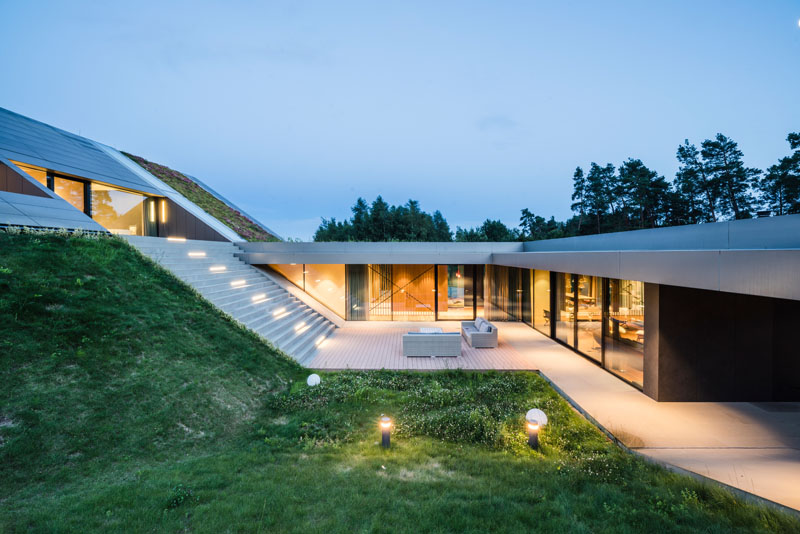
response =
{"points": [[276, 314]]}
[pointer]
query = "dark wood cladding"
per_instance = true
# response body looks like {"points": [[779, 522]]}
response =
{"points": [[181, 223], [14, 182], [716, 346]]}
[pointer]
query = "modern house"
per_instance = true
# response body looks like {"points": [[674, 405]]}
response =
{"points": [[692, 313]]}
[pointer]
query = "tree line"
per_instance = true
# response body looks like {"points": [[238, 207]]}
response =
{"points": [[712, 184]]}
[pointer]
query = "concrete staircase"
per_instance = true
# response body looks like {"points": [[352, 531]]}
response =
{"points": [[244, 292]]}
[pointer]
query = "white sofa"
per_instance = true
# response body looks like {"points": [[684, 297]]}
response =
{"points": [[442, 344], [480, 333]]}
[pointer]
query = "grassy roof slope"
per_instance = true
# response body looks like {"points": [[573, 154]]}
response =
{"points": [[129, 404], [215, 207]]}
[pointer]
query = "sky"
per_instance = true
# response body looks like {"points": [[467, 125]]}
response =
{"points": [[292, 110]]}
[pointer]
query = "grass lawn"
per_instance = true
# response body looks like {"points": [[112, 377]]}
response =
{"points": [[128, 404]]}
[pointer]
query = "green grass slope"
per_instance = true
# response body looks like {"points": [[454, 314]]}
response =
{"points": [[128, 404]]}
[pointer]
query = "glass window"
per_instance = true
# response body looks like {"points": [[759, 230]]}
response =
{"points": [[526, 295], [38, 174], [456, 294], [479, 272], [541, 301], [326, 284], [624, 334], [565, 308], [380, 292], [292, 272], [356, 292], [72, 191], [590, 316], [414, 293], [118, 211]]}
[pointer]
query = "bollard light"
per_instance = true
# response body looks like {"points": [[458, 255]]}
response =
{"points": [[533, 434], [386, 427], [535, 420]]}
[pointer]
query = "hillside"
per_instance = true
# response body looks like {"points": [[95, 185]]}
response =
{"points": [[130, 405]]}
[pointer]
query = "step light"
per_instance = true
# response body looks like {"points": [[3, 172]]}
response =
{"points": [[177, 239], [217, 268], [279, 311], [197, 254], [238, 283], [258, 298]]}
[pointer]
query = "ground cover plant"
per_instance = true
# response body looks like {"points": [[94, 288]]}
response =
{"points": [[128, 404], [230, 217]]}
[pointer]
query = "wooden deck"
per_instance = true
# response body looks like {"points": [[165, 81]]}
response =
{"points": [[379, 345]]}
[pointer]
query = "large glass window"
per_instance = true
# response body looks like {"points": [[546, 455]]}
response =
{"points": [[590, 316], [414, 293], [541, 301], [326, 284], [565, 308], [292, 272], [72, 191], [118, 211], [456, 293], [624, 336]]}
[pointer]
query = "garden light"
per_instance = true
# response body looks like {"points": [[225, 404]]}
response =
{"points": [[313, 380], [386, 426], [535, 420]]}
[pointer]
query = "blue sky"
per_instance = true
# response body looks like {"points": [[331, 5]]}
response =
{"points": [[479, 109]]}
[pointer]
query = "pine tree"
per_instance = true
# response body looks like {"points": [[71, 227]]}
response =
{"points": [[723, 160], [643, 192], [780, 186], [701, 195], [579, 195]]}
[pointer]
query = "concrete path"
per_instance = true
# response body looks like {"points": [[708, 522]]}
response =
{"points": [[754, 447]]}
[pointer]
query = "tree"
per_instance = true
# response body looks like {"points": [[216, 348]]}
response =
{"points": [[600, 185], [578, 195], [700, 196], [780, 186], [723, 160], [441, 230], [379, 223], [489, 231], [643, 192]]}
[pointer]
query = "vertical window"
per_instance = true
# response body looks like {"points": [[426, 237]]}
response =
{"points": [[590, 316], [624, 335], [413, 293], [541, 301], [72, 191], [456, 292], [565, 308], [38, 174]]}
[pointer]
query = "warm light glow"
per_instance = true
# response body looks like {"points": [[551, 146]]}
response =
{"points": [[278, 311], [217, 268], [238, 283], [306, 272], [259, 297], [198, 254], [319, 340], [299, 325], [152, 211], [177, 239], [292, 264], [533, 426], [163, 211], [386, 422]]}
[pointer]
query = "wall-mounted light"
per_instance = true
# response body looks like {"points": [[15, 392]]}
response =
{"points": [[163, 211], [152, 211], [386, 428]]}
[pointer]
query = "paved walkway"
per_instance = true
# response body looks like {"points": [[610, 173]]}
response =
{"points": [[754, 447]]}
